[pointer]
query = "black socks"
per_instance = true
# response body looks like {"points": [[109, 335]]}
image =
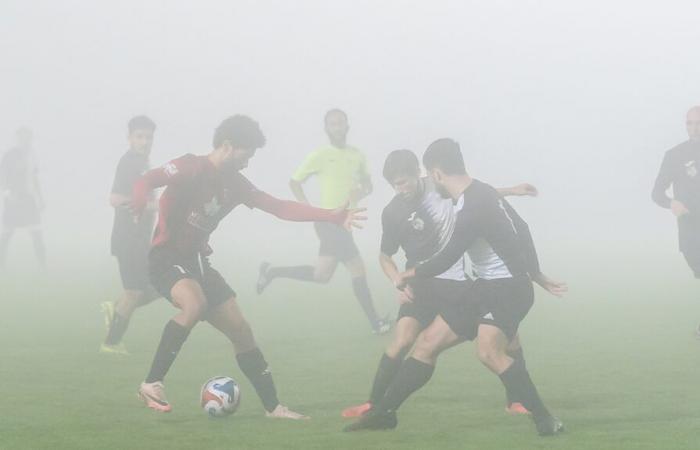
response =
{"points": [[116, 329], [174, 335], [387, 370], [412, 376], [518, 382], [254, 366], [303, 273]]}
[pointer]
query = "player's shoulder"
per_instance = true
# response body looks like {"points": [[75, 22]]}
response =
{"points": [[480, 195], [680, 149]]}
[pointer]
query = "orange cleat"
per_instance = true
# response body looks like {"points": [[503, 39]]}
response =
{"points": [[354, 412], [516, 408]]}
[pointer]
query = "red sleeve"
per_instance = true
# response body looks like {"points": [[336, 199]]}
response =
{"points": [[173, 172], [294, 211]]}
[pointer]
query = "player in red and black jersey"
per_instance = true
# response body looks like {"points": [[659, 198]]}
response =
{"points": [[200, 192]]}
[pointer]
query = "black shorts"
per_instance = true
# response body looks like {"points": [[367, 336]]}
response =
{"points": [[20, 212], [689, 242], [133, 269], [336, 241], [166, 267], [450, 299], [504, 302]]}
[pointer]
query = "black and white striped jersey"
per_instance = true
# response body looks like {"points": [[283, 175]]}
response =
{"points": [[421, 226], [491, 232]]}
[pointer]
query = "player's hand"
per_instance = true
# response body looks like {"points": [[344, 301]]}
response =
{"points": [[353, 216], [402, 282], [556, 288], [678, 208], [405, 295], [525, 190]]}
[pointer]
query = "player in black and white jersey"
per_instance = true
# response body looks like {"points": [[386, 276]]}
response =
{"points": [[505, 263], [420, 221]]}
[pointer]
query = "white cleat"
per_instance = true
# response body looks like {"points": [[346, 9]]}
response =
{"points": [[282, 412], [153, 395]]}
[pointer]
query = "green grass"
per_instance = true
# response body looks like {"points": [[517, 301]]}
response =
{"points": [[616, 360]]}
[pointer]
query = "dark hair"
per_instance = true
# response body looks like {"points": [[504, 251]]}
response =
{"points": [[241, 131], [141, 123], [445, 154], [400, 162], [333, 111]]}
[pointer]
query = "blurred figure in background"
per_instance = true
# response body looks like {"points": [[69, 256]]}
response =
{"points": [[680, 170], [344, 180], [19, 186], [130, 239]]}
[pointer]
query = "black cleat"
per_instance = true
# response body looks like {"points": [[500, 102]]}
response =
{"points": [[374, 420], [548, 425], [263, 281]]}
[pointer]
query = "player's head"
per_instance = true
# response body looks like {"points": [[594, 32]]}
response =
{"points": [[692, 123], [25, 136], [237, 138], [444, 162], [402, 171], [336, 125], [141, 130]]}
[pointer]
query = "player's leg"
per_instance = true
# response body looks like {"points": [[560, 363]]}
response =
{"points": [[228, 318], [187, 295], [414, 373], [39, 246], [321, 273], [356, 267], [515, 351], [407, 330]]}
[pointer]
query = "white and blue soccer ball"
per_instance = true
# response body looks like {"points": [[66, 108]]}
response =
{"points": [[220, 396]]}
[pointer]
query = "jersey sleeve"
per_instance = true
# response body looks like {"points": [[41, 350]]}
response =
{"points": [[466, 231], [527, 244], [310, 166], [390, 236], [295, 211], [174, 172], [663, 182]]}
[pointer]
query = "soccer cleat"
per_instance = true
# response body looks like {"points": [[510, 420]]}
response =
{"points": [[374, 420], [153, 395], [108, 311], [516, 408], [117, 349], [548, 425], [282, 412], [383, 326], [263, 281], [354, 412]]}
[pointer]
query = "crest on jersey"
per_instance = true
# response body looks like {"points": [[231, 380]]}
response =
{"points": [[416, 222], [170, 169], [691, 169], [212, 207]]}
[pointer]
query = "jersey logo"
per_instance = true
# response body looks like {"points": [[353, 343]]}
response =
{"points": [[170, 169], [212, 207], [691, 169], [488, 316], [416, 222]]}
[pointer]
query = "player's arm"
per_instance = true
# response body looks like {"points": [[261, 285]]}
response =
{"points": [[389, 246], [465, 233], [659, 193], [308, 167], [297, 189], [520, 190], [302, 212], [522, 230], [174, 172]]}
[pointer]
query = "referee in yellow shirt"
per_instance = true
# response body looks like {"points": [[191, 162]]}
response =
{"points": [[344, 178]]}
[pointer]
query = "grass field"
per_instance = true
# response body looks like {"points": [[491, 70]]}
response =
{"points": [[616, 360]]}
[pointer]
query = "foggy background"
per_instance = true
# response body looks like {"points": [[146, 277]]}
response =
{"points": [[580, 99]]}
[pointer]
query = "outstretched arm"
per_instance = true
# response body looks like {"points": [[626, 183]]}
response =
{"points": [[520, 190], [301, 212]]}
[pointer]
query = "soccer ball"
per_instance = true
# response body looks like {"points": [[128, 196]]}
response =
{"points": [[220, 396]]}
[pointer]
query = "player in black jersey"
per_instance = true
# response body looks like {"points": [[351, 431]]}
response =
{"points": [[680, 169], [420, 221], [505, 263]]}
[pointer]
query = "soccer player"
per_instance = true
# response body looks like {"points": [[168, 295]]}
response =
{"points": [[420, 221], [505, 263], [680, 169], [200, 192], [344, 179], [130, 239], [19, 185]]}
